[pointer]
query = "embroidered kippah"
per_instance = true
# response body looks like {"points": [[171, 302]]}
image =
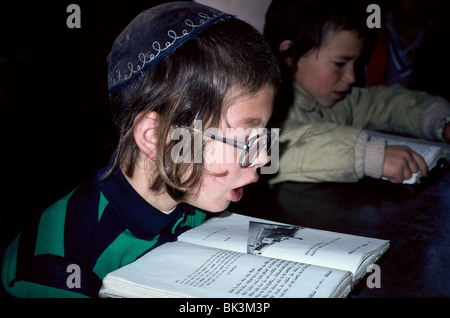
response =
{"points": [[155, 34]]}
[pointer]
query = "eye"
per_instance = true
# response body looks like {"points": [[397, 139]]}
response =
{"points": [[249, 134], [340, 64]]}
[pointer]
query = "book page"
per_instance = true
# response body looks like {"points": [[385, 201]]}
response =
{"points": [[430, 151], [226, 230], [178, 269], [342, 251], [431, 154], [411, 140]]}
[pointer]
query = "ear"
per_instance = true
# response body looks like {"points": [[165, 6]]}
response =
{"points": [[284, 46], [145, 133]]}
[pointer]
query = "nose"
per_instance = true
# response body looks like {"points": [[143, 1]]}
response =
{"points": [[261, 160], [349, 75]]}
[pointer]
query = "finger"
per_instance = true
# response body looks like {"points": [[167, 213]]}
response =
{"points": [[408, 171], [396, 179], [397, 176], [414, 164], [421, 164]]}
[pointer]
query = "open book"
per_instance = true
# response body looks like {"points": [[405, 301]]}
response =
{"points": [[430, 151], [235, 256]]}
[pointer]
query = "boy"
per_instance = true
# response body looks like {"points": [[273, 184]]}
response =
{"points": [[172, 66], [318, 44]]}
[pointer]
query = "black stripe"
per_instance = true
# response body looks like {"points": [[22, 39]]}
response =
{"points": [[27, 244], [108, 229], [52, 271], [81, 220]]}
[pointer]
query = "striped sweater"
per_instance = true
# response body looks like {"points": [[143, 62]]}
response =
{"points": [[99, 227]]}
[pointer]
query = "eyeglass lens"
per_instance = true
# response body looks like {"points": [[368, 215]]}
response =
{"points": [[261, 144]]}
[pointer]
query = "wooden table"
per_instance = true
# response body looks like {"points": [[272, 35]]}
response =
{"points": [[415, 218]]}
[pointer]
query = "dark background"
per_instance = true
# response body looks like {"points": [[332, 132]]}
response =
{"points": [[55, 125]]}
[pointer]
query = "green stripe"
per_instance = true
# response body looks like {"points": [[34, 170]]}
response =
{"points": [[25, 288], [10, 263], [101, 205], [126, 247], [50, 237], [176, 224], [124, 250]]}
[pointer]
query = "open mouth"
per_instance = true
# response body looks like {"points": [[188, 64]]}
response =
{"points": [[341, 94], [236, 194]]}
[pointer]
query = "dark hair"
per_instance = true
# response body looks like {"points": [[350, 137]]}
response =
{"points": [[193, 83], [306, 23]]}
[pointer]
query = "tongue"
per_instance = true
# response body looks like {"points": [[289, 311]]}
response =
{"points": [[236, 194]]}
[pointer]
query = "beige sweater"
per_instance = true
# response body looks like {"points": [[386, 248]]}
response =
{"points": [[330, 143]]}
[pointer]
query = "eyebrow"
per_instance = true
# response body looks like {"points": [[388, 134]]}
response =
{"points": [[252, 122], [345, 57]]}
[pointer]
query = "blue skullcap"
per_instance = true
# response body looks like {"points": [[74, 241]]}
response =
{"points": [[153, 35]]}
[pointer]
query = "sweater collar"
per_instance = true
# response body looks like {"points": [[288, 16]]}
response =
{"points": [[140, 217], [302, 99]]}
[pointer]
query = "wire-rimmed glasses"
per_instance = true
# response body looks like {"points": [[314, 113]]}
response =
{"points": [[251, 150]]}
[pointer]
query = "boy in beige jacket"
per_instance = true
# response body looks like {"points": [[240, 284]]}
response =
{"points": [[325, 132]]}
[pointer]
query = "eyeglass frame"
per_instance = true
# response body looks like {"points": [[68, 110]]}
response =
{"points": [[235, 143]]}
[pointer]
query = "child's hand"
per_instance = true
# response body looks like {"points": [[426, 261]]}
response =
{"points": [[401, 162]]}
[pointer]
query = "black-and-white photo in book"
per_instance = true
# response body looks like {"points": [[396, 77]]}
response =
{"points": [[232, 255]]}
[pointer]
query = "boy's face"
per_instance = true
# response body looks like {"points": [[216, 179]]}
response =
{"points": [[327, 74], [245, 113]]}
